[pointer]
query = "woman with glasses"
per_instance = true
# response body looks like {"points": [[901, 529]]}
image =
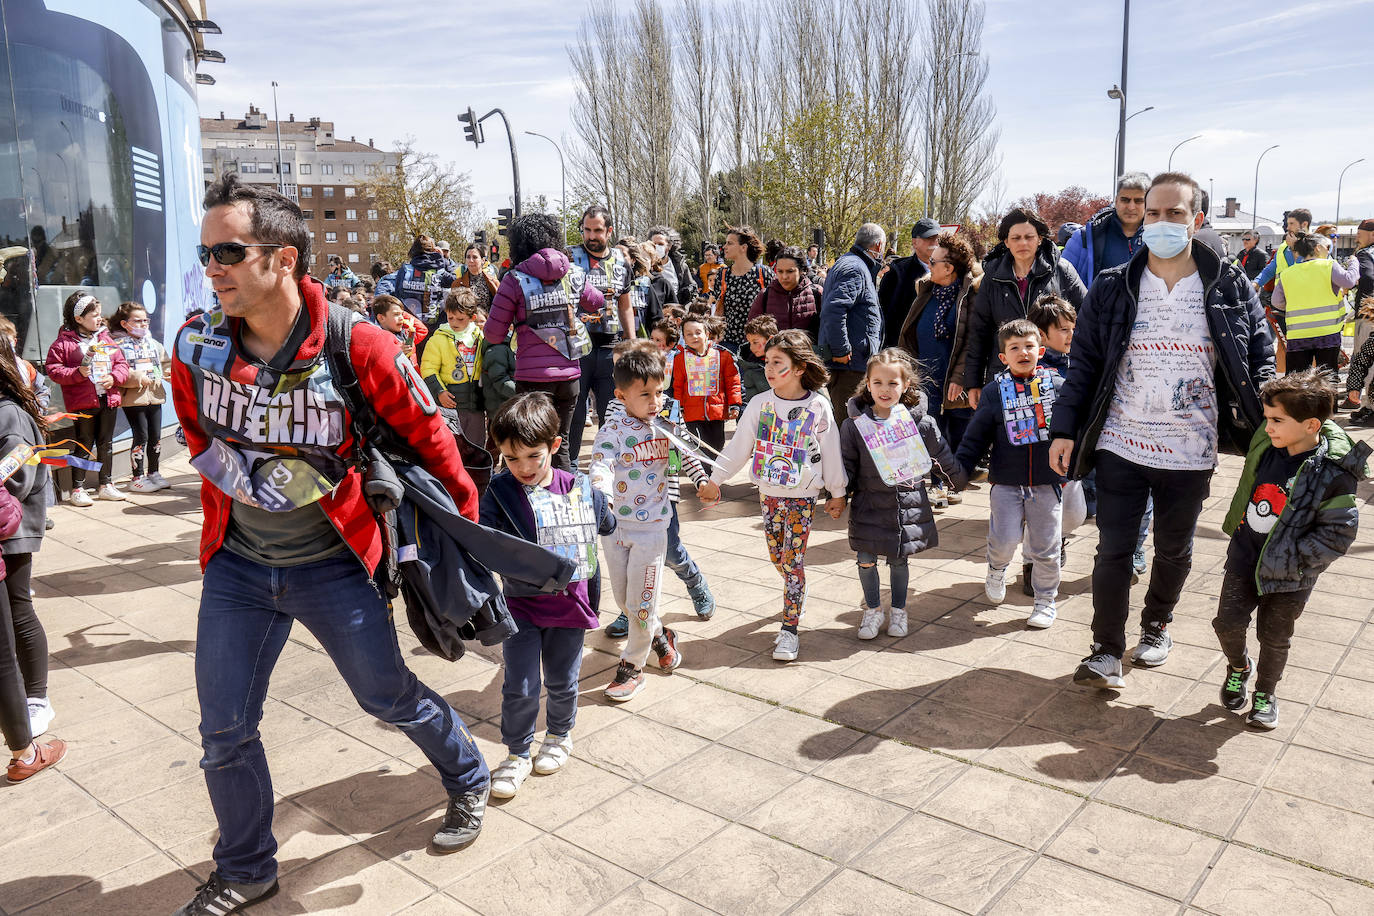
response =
{"points": [[936, 331], [142, 393]]}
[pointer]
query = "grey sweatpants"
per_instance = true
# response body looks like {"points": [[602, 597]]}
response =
{"points": [[633, 558], [1039, 510]]}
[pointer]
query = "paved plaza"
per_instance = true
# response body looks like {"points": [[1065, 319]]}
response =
{"points": [[953, 770]]}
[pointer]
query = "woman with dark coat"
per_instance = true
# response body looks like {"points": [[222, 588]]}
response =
{"points": [[936, 330], [1024, 265], [791, 297]]}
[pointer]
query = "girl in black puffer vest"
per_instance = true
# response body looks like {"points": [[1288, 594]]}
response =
{"points": [[888, 444]]}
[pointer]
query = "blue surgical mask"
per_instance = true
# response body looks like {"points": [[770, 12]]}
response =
{"points": [[1166, 240]]}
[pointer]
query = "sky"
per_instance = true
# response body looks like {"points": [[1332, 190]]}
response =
{"points": [[1243, 76]]}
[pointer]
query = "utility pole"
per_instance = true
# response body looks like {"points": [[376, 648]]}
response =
{"points": [[1125, 49], [281, 179]]}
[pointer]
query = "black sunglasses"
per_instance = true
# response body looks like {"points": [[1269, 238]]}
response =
{"points": [[227, 253]]}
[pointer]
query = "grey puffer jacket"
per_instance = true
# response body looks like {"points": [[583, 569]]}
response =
{"points": [[893, 521], [29, 484]]}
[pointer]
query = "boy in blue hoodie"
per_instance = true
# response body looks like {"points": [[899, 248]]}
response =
{"points": [[1013, 418], [561, 511], [1293, 515]]}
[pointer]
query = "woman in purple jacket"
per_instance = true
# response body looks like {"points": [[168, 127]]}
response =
{"points": [[89, 366], [543, 299]]}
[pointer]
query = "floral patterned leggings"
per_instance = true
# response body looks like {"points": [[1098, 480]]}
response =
{"points": [[786, 527]]}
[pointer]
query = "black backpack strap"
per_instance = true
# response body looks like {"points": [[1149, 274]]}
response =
{"points": [[368, 429]]}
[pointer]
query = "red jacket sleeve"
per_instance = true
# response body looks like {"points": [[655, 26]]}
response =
{"points": [[11, 514], [392, 385], [679, 377], [729, 373], [59, 365]]}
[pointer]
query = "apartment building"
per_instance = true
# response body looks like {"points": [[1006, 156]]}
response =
{"points": [[325, 174]]}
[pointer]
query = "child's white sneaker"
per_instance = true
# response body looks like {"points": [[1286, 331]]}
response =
{"points": [[788, 645], [80, 497], [159, 481], [553, 753], [995, 585], [872, 622], [1042, 616], [108, 491], [896, 622], [143, 485], [509, 776]]}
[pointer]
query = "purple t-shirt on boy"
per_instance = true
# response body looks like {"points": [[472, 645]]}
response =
{"points": [[570, 607]]}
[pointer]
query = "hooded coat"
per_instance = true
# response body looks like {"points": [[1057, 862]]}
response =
{"points": [[440, 276], [893, 521], [536, 361]]}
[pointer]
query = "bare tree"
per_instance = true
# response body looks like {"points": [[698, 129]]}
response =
{"points": [[427, 195], [650, 158], [959, 130], [697, 73], [595, 62]]}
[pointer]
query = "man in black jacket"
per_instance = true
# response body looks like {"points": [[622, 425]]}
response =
{"points": [[1251, 258], [897, 290], [1168, 357]]}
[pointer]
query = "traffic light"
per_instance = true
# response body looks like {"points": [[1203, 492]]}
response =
{"points": [[472, 128], [503, 218], [480, 239]]}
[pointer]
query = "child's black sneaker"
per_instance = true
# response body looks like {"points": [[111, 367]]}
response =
{"points": [[218, 897], [1264, 711], [1233, 694], [1362, 417]]}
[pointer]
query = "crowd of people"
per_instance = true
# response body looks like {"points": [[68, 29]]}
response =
{"points": [[1097, 374]]}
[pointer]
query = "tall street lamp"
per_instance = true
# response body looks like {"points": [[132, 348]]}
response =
{"points": [[1121, 128], [1120, 165], [1338, 192], [563, 201], [1170, 166], [281, 179], [1254, 216]]}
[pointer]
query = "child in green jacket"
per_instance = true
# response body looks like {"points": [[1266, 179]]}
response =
{"points": [[1292, 516]]}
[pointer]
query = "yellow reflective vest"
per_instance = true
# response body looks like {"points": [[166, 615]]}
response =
{"points": [[1313, 308]]}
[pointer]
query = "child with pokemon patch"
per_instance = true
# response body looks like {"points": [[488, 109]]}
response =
{"points": [[1293, 515], [630, 459], [790, 440]]}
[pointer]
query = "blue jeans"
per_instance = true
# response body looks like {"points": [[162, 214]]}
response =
{"points": [[246, 613], [559, 651], [677, 558], [596, 380], [868, 578]]}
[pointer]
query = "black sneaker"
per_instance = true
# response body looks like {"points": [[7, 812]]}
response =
{"points": [[217, 897], [1264, 711], [462, 820], [618, 628], [1362, 417], [1100, 669], [1233, 695], [1026, 588]]}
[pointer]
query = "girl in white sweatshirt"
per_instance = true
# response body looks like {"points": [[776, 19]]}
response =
{"points": [[791, 442]]}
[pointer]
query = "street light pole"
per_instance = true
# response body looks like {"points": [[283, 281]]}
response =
{"points": [[563, 201], [1121, 165], [1170, 166], [1125, 49], [281, 181], [1254, 215], [1338, 192]]}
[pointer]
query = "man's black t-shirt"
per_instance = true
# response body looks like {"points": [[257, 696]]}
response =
{"points": [[1273, 481]]}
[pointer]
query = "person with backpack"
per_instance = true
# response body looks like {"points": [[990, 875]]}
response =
{"points": [[420, 282], [288, 535], [734, 288]]}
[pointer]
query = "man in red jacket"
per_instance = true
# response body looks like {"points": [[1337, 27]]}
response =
{"points": [[287, 534]]}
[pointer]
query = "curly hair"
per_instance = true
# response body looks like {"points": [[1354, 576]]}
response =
{"points": [[959, 251], [746, 236]]}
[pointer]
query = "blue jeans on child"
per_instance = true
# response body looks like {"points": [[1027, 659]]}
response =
{"points": [[868, 578], [246, 613], [558, 650], [1039, 509], [676, 557]]}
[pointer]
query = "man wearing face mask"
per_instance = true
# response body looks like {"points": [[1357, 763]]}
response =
{"points": [[851, 319], [1168, 357]]}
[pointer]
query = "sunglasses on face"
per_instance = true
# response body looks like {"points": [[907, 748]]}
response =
{"points": [[227, 253]]}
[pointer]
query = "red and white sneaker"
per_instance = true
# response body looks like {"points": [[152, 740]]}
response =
{"points": [[629, 681]]}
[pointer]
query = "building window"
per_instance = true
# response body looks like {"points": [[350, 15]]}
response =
{"points": [[331, 236], [393, 214], [289, 145], [326, 168], [349, 192], [374, 236], [308, 214], [312, 232], [286, 168], [209, 168], [305, 168], [353, 259], [307, 192], [328, 192], [350, 214], [329, 214], [370, 169], [248, 168], [392, 237], [371, 214], [353, 237], [348, 168]]}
